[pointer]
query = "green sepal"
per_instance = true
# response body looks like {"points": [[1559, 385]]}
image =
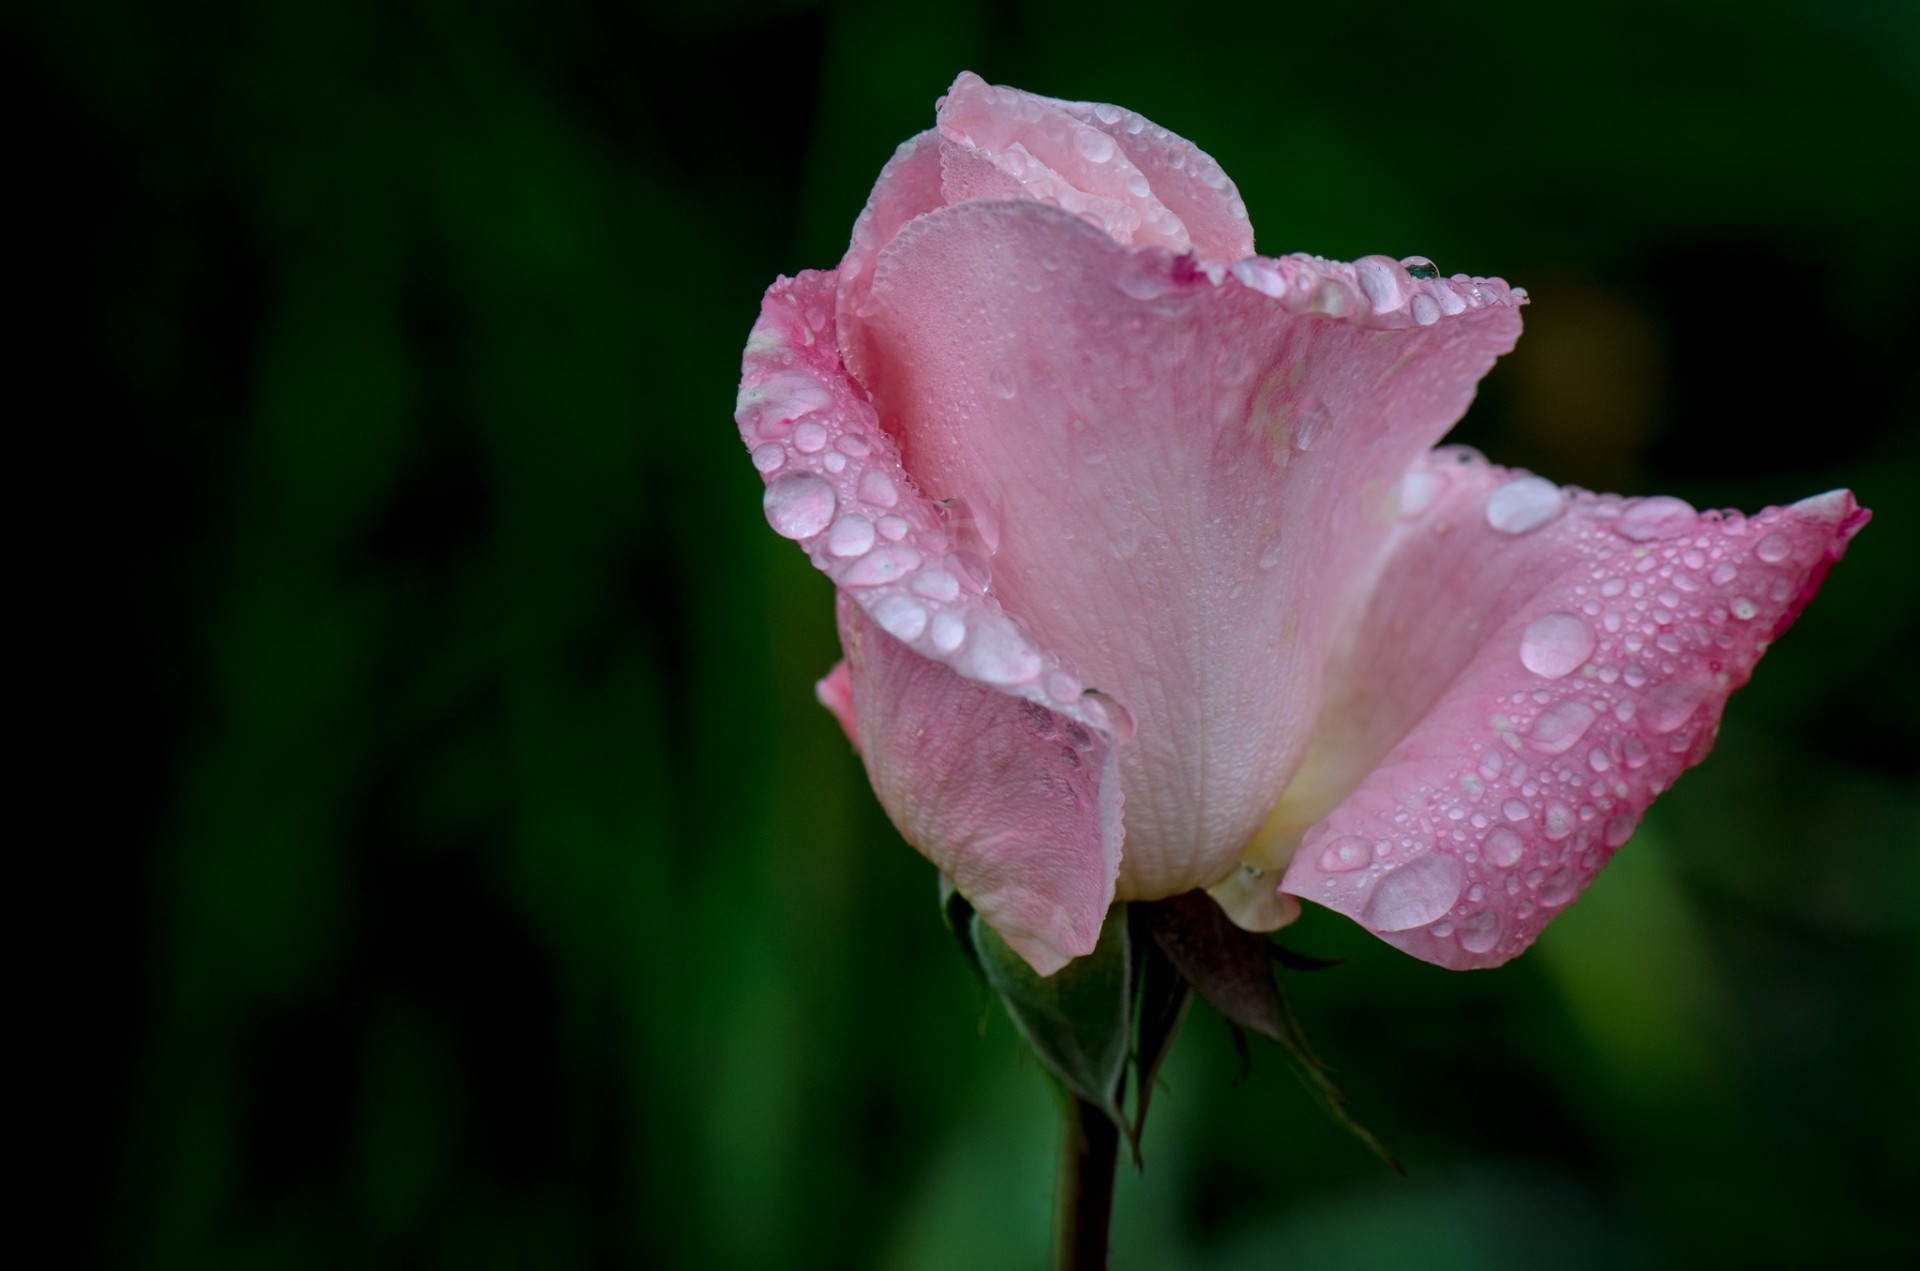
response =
{"points": [[1237, 972], [1079, 1020], [1159, 1009], [957, 913]]}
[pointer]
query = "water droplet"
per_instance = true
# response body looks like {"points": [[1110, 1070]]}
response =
{"points": [[1515, 810], [1415, 894], [1773, 549], [1559, 727], [1312, 423], [1418, 490], [902, 617], [1742, 608], [1000, 382], [1556, 644], [1723, 573], [799, 505], [1559, 820], [881, 565], [1599, 760], [810, 438], [1672, 704], [1426, 311], [1345, 854], [850, 444], [949, 631], [851, 535], [997, 655], [1481, 932], [1107, 708], [1095, 146], [1383, 281], [936, 584], [877, 488], [769, 457], [1420, 267], [1661, 516], [1504, 847], [1633, 753], [1620, 828], [1524, 504], [1559, 887]]}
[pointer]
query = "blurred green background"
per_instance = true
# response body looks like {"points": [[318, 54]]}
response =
{"points": [[477, 883]]}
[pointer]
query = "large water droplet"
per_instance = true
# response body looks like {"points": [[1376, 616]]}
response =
{"points": [[851, 535], [997, 655], [902, 617], [1661, 516], [1504, 847], [1560, 726], [1384, 281], [877, 488], [1420, 267], [810, 437], [1095, 146], [1418, 490], [1523, 504], [881, 565], [1669, 706], [1559, 887], [1415, 894], [1348, 853], [936, 584], [799, 505], [1556, 644], [768, 457], [1773, 549], [1425, 309], [1481, 932], [949, 631]]}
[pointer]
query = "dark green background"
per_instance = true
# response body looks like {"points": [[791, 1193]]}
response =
{"points": [[466, 876]]}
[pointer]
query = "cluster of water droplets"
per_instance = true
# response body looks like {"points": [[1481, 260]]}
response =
{"points": [[1616, 684], [835, 485], [1374, 291]]}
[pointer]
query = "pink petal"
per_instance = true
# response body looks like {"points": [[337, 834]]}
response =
{"points": [[835, 691], [1174, 472], [1531, 667], [1019, 805], [959, 715], [908, 186]]}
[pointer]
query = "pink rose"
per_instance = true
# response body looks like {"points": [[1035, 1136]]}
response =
{"points": [[1149, 579]]}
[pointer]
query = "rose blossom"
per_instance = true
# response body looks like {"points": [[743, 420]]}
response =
{"points": [[1149, 579]]}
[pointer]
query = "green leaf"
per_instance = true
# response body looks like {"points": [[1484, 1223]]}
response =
{"points": [[1078, 1020], [1237, 973]]}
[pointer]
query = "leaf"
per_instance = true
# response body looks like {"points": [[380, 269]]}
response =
{"points": [[1079, 1020], [1236, 972], [1160, 1008]]}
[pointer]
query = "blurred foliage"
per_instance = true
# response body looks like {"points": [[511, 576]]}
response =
{"points": [[477, 883]]}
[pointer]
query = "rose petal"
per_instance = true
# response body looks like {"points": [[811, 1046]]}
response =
{"points": [[1019, 805], [1139, 182], [1174, 475], [908, 185], [938, 679], [1532, 666]]}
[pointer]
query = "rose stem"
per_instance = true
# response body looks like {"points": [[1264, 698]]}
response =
{"points": [[1089, 1149]]}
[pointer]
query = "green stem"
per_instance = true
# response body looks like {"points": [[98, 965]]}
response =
{"points": [[1083, 1202]]}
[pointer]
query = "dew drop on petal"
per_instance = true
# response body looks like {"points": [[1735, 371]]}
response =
{"points": [[1426, 310], [1523, 504], [1773, 549], [1556, 644], [1515, 810], [1415, 894], [1661, 516], [1481, 932], [877, 488], [1095, 146], [798, 505], [1418, 490], [1559, 727], [902, 617], [769, 457], [1350, 852], [1668, 707], [851, 535], [949, 631], [881, 565], [1504, 847], [810, 438]]}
